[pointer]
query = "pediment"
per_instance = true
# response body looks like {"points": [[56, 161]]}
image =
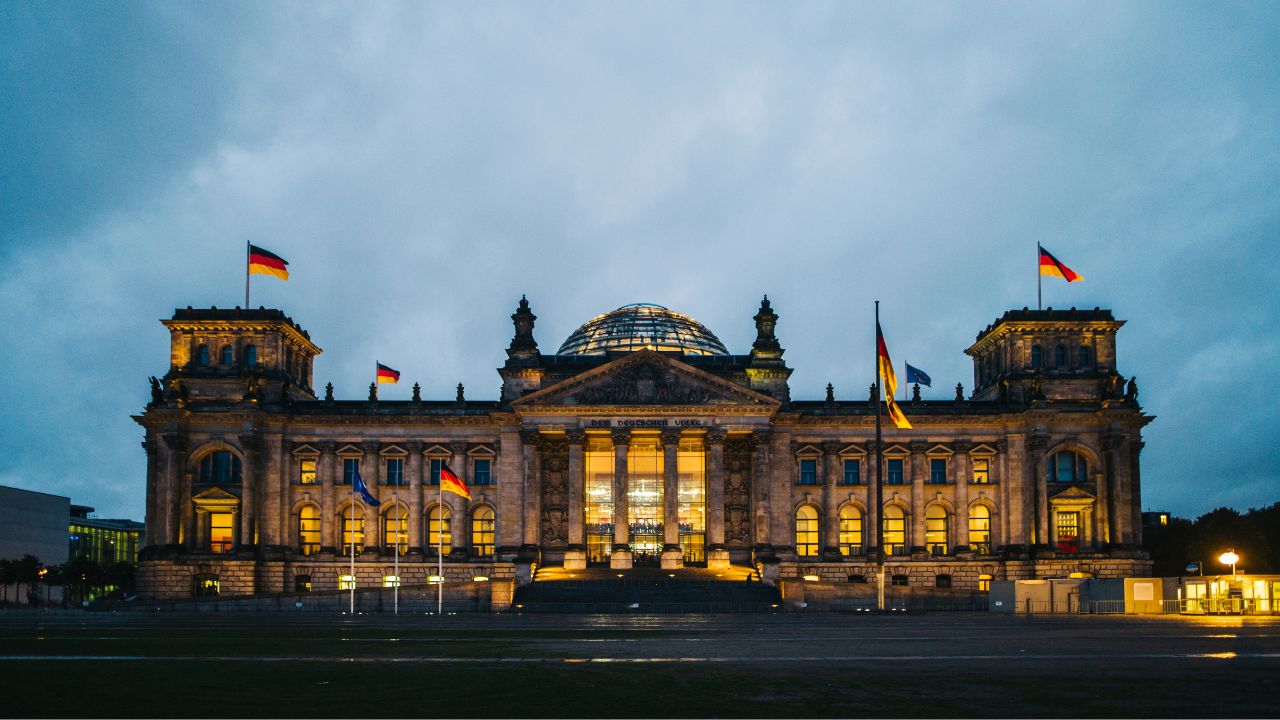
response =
{"points": [[808, 449], [940, 450], [305, 450], [392, 451], [646, 378], [214, 494], [853, 449], [983, 449], [1072, 493]]}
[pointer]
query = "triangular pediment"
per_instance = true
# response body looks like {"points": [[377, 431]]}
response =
{"points": [[646, 378], [1072, 493], [214, 494]]}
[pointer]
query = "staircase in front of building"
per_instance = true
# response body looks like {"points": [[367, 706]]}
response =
{"points": [[646, 591]]}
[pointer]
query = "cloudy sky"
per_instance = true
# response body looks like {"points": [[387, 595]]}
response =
{"points": [[423, 165]]}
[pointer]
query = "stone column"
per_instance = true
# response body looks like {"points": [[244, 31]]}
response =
{"points": [[919, 472], [830, 512], [327, 468], [461, 523], [371, 473], [509, 493], [575, 556], [1105, 507], [1135, 491], [1037, 481], [621, 555], [672, 556], [1000, 476], [761, 532], [961, 477], [152, 522], [176, 482], [717, 555], [413, 467], [872, 531], [276, 497], [532, 507], [249, 481]]}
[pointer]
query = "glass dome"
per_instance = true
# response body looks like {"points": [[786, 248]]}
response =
{"points": [[639, 327]]}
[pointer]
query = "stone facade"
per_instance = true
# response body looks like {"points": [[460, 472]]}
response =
{"points": [[1034, 474]]}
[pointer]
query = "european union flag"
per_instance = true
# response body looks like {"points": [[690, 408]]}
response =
{"points": [[916, 375], [357, 484]]}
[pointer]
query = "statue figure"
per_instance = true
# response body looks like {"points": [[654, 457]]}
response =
{"points": [[252, 390], [1037, 387], [873, 396], [417, 393], [328, 392], [1131, 391], [1112, 388], [959, 392], [373, 392], [831, 393], [461, 396], [157, 394], [179, 389], [915, 393]]}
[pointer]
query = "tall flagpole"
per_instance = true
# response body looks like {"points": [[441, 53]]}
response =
{"points": [[879, 505], [395, 499], [352, 549], [246, 274], [440, 542], [1039, 278]]}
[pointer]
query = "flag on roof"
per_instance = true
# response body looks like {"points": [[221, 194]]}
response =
{"points": [[916, 375], [1050, 265], [265, 262], [387, 375]]}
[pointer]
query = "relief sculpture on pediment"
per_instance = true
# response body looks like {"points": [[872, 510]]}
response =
{"points": [[643, 385]]}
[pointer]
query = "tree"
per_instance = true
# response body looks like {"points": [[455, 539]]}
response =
{"points": [[28, 572], [8, 576]]}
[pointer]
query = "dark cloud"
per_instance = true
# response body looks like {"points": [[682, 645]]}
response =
{"points": [[421, 166]]}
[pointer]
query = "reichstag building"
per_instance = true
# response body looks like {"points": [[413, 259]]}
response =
{"points": [[641, 441]]}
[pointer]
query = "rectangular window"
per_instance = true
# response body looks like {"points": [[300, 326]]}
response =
{"points": [[433, 473], [346, 582], [981, 471], [691, 503], [220, 532], [808, 472], [852, 472], [598, 465], [894, 471], [307, 472], [1067, 525], [937, 471], [395, 472], [395, 532], [984, 583], [390, 581], [480, 473], [352, 533], [350, 466]]}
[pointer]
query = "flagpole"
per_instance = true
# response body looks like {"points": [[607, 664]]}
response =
{"points": [[352, 523], [246, 274], [879, 505], [440, 543], [395, 499], [1039, 278]]}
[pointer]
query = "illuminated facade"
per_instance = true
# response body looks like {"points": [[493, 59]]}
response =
{"points": [[642, 441], [104, 541]]}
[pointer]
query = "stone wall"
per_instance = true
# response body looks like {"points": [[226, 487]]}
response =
{"points": [[965, 574]]}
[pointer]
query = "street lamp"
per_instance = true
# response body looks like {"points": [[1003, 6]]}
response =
{"points": [[1230, 558]]}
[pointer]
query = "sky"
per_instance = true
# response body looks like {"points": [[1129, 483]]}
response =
{"points": [[423, 165]]}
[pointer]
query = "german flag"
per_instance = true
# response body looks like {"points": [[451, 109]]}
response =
{"points": [[449, 482], [1049, 265], [265, 262], [387, 375], [889, 380]]}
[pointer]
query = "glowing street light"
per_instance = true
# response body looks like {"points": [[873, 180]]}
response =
{"points": [[1230, 558]]}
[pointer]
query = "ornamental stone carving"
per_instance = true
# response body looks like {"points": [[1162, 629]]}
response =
{"points": [[643, 384]]}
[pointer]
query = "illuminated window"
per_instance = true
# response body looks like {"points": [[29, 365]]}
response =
{"points": [[894, 472], [938, 471], [352, 530], [307, 471], [250, 355], [350, 466], [221, 525], [1067, 527], [439, 537], [346, 582], [390, 581], [691, 499], [395, 532], [1082, 356], [808, 472], [1068, 466], [980, 529], [309, 529], [900, 580], [806, 531], [206, 585], [981, 471], [645, 493], [302, 583], [942, 581], [433, 472], [597, 459], [895, 531], [220, 468], [1037, 356], [482, 532], [935, 529], [984, 583], [480, 474], [228, 356], [395, 472], [850, 530], [1059, 356], [852, 472], [202, 356]]}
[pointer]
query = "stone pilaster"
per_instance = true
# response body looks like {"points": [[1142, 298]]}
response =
{"points": [[371, 471], [760, 488], [458, 504], [531, 489], [873, 533], [919, 473], [961, 475], [329, 521], [1000, 476], [508, 492], [717, 556], [249, 491], [1037, 482], [275, 488], [414, 469], [577, 493], [830, 512], [672, 556], [621, 555], [1135, 490]]}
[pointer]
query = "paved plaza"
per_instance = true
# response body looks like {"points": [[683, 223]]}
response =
{"points": [[818, 665]]}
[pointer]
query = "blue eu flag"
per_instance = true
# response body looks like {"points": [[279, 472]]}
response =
{"points": [[357, 484], [916, 375]]}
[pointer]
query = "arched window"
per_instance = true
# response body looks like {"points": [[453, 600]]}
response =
{"points": [[227, 357], [482, 532], [1037, 356], [980, 529], [1068, 466], [439, 536], [850, 530], [220, 468], [1082, 356], [806, 532], [395, 530], [251, 356], [309, 529], [895, 531], [935, 529], [1059, 356], [352, 530], [202, 355]]}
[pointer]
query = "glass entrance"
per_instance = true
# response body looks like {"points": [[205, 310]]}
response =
{"points": [[692, 501], [598, 465], [644, 500]]}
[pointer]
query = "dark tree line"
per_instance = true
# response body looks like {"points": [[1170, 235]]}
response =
{"points": [[1254, 535], [26, 581]]}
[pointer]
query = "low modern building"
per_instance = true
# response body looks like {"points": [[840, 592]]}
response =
{"points": [[641, 440], [33, 523], [105, 541]]}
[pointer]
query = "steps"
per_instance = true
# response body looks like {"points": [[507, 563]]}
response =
{"points": [[645, 590]]}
